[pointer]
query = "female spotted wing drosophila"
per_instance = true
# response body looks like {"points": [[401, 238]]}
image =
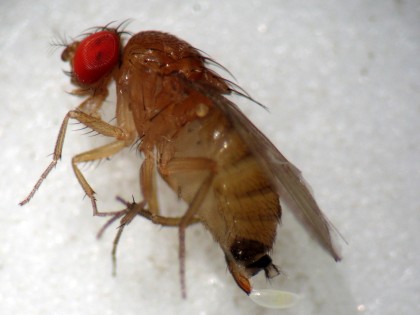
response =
{"points": [[229, 174]]}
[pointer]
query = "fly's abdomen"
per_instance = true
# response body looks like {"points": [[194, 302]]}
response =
{"points": [[242, 202], [247, 202], [246, 210], [242, 208]]}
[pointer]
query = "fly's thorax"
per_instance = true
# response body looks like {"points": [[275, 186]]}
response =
{"points": [[156, 79], [168, 55]]}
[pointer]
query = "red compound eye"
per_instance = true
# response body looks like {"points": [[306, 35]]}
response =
{"points": [[96, 56]]}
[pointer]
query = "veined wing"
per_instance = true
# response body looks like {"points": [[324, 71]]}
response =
{"points": [[286, 177]]}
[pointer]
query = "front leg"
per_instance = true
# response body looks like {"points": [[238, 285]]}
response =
{"points": [[96, 124]]}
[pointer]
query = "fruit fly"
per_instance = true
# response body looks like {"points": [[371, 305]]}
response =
{"points": [[173, 107]]}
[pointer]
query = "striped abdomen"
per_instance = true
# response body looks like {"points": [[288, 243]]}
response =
{"points": [[242, 208]]}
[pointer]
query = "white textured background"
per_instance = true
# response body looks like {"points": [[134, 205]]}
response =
{"points": [[342, 82]]}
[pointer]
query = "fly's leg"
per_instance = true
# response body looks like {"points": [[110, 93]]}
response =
{"points": [[93, 103], [95, 124], [165, 221], [148, 182], [178, 165], [138, 208], [127, 215], [148, 187], [148, 179], [185, 221], [182, 223], [92, 155], [132, 210], [173, 166]]}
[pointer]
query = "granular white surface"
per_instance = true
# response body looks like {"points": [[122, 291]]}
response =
{"points": [[342, 81]]}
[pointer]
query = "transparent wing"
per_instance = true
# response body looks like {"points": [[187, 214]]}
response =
{"points": [[286, 177]]}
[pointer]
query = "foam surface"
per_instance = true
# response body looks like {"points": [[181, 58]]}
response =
{"points": [[341, 80]]}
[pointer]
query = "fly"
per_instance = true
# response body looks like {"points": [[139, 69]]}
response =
{"points": [[229, 174]]}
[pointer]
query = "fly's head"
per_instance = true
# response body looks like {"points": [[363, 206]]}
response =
{"points": [[94, 59]]}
